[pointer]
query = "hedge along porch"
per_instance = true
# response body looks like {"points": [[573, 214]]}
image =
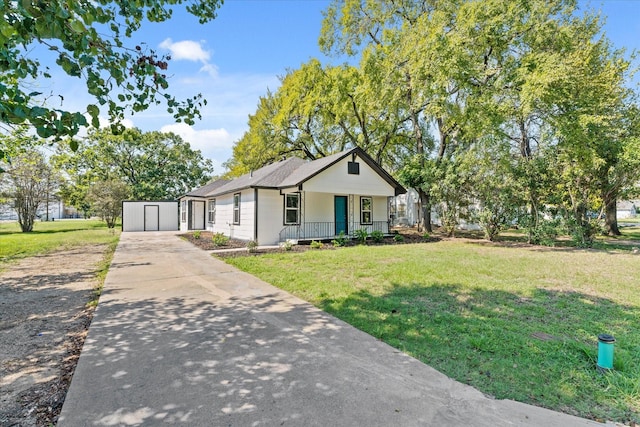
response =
{"points": [[295, 200]]}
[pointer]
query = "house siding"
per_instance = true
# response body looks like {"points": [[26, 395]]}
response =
{"points": [[270, 216], [367, 182], [224, 216], [318, 207], [380, 208]]}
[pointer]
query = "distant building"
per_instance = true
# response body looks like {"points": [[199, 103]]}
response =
{"points": [[627, 209], [56, 210]]}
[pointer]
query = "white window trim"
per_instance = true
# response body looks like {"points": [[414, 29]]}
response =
{"points": [[236, 208], [211, 212], [286, 209], [370, 210]]}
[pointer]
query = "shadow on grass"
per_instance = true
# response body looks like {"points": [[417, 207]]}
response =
{"points": [[539, 349]]}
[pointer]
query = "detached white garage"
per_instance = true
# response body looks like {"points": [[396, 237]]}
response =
{"points": [[150, 216]]}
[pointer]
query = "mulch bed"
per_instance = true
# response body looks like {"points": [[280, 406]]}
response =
{"points": [[205, 242]]}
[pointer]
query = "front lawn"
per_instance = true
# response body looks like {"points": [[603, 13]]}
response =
{"points": [[515, 322], [50, 236]]}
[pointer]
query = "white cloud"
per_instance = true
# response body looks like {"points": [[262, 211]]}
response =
{"points": [[186, 49], [210, 69], [231, 99], [105, 122], [209, 141]]}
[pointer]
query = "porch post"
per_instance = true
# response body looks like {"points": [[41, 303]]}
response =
{"points": [[301, 226], [352, 225]]}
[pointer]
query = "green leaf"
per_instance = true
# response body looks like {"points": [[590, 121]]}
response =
{"points": [[37, 112], [44, 132], [77, 26], [6, 29], [20, 113], [93, 110]]}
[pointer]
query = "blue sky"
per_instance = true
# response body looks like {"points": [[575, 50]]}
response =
{"points": [[235, 58]]}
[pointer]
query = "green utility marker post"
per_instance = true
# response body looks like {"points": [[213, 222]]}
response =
{"points": [[605, 352]]}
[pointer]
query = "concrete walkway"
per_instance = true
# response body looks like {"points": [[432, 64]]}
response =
{"points": [[182, 338]]}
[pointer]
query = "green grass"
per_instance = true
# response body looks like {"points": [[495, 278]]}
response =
{"points": [[50, 236], [628, 241], [516, 323], [635, 220], [103, 269], [632, 233]]}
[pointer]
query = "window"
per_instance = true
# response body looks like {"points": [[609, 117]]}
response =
{"points": [[236, 208], [183, 211], [365, 210], [292, 208], [212, 211], [353, 168]]}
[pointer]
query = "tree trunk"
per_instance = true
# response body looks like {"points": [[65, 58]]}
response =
{"points": [[534, 214], [425, 203], [611, 216]]}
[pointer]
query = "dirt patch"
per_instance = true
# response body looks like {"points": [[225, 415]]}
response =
{"points": [[43, 323]]}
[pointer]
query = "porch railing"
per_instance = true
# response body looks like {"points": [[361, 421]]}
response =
{"points": [[327, 230]]}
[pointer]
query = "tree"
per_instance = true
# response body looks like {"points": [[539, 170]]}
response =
{"points": [[88, 38], [596, 127], [106, 199], [317, 111], [258, 146], [28, 184], [490, 169], [19, 141], [154, 165]]}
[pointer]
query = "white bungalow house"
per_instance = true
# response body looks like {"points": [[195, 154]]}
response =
{"points": [[295, 200]]}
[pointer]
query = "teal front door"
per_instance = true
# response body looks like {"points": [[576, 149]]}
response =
{"points": [[340, 203]]}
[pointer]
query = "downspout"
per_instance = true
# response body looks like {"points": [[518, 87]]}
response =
{"points": [[255, 215]]}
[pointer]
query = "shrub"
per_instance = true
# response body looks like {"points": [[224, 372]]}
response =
{"points": [[219, 239], [426, 235], [287, 246], [252, 246], [315, 245], [583, 231], [377, 236], [196, 234], [399, 238], [341, 240], [545, 232], [361, 235]]}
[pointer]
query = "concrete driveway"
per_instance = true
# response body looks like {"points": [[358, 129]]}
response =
{"points": [[182, 338]]}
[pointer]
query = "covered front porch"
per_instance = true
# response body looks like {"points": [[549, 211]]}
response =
{"points": [[308, 231]]}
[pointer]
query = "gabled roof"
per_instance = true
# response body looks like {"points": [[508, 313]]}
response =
{"points": [[269, 176], [291, 172], [207, 188]]}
